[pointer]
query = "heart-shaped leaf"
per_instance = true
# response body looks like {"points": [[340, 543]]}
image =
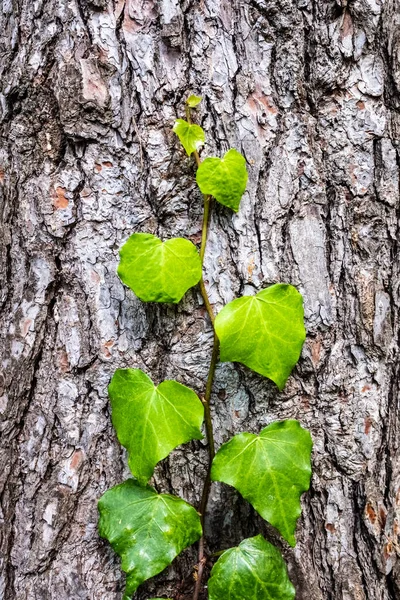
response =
{"points": [[191, 136], [265, 332], [151, 421], [224, 178], [147, 530], [254, 570], [159, 271], [193, 101], [270, 470]]}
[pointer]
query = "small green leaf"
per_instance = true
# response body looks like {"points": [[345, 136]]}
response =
{"points": [[159, 271], [254, 570], [151, 421], [270, 470], [265, 332], [224, 178], [191, 136], [147, 530], [193, 101]]}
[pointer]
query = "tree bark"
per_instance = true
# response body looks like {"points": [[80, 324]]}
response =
{"points": [[308, 91]]}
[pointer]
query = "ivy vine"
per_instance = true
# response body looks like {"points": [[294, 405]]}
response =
{"points": [[271, 470]]}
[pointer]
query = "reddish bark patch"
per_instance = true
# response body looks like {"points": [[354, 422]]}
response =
{"points": [[388, 549], [347, 26], [25, 326], [59, 199], [259, 101], [106, 348], [370, 513], [251, 267], [316, 351], [330, 527], [76, 459], [63, 361], [2, 174], [305, 402], [367, 425], [94, 276], [382, 517]]}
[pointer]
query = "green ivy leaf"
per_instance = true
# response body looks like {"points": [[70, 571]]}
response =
{"points": [[254, 570], [270, 470], [159, 271], [265, 332], [193, 101], [147, 530], [151, 421], [191, 136], [224, 178]]}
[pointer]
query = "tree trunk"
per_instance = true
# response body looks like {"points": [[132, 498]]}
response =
{"points": [[308, 91]]}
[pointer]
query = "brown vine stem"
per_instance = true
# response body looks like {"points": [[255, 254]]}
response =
{"points": [[207, 395]]}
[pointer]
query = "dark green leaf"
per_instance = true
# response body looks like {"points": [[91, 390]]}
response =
{"points": [[159, 271], [270, 470], [192, 137], [151, 421], [254, 570], [224, 178], [147, 530], [265, 332], [193, 101]]}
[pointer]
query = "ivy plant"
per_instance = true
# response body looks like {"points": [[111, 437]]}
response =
{"points": [[159, 271], [163, 417], [254, 570], [270, 468]]}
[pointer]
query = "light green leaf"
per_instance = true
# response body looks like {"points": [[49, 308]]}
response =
{"points": [[159, 271], [151, 421], [224, 178], [193, 101], [254, 570], [192, 136], [265, 332], [147, 530], [270, 470]]}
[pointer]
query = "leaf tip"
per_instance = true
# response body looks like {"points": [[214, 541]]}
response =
{"points": [[193, 101]]}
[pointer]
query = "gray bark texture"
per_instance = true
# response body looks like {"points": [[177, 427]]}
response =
{"points": [[309, 92]]}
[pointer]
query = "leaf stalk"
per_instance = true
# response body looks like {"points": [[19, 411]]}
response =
{"points": [[207, 395]]}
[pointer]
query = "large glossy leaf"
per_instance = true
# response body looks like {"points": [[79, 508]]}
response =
{"points": [[151, 421], [147, 530], [191, 136], [270, 470], [254, 570], [224, 178], [264, 332], [159, 271]]}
